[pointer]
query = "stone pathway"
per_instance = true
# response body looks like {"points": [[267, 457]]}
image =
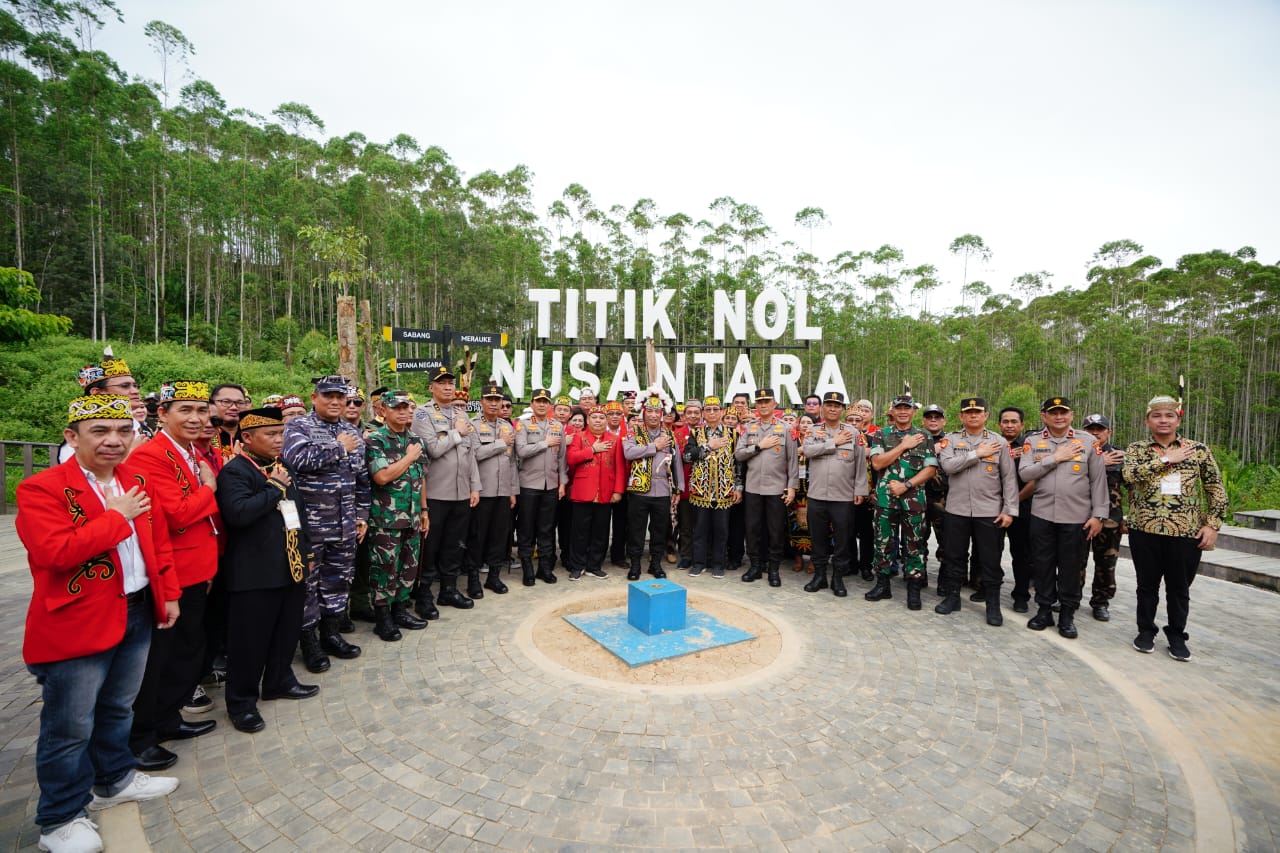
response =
{"points": [[884, 729]]}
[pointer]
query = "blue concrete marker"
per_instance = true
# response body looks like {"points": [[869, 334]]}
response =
{"points": [[655, 606], [611, 629]]}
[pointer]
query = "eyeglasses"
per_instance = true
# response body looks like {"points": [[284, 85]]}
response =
{"points": [[355, 403], [231, 404], [124, 386]]}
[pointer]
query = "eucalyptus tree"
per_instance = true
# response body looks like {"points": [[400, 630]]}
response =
{"points": [[969, 246]]}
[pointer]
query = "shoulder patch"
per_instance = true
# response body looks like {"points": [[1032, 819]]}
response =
{"points": [[942, 442]]}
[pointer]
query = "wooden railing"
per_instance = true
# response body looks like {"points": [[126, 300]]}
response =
{"points": [[27, 457]]}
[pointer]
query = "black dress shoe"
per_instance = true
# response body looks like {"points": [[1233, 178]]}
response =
{"points": [[293, 691], [248, 722], [453, 598], [546, 576], [154, 758], [188, 730], [633, 575], [1102, 614], [1019, 606]]}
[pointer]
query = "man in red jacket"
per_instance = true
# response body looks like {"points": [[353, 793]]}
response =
{"points": [[103, 575], [184, 486]]}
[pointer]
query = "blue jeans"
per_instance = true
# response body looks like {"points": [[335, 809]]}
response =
{"points": [[84, 724]]}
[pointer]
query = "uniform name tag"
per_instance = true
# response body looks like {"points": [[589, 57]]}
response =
{"points": [[1171, 484], [289, 510]]}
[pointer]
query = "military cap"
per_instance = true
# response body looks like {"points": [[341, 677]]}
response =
{"points": [[933, 409], [973, 404], [442, 373], [396, 397], [1055, 403], [540, 394], [763, 394], [263, 417], [378, 392], [100, 407], [184, 389], [1097, 420], [331, 383], [491, 389], [833, 397], [904, 400]]}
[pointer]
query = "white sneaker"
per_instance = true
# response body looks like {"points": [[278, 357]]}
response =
{"points": [[143, 787], [79, 836]]}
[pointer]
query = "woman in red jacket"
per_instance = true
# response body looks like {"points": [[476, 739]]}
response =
{"points": [[597, 479]]}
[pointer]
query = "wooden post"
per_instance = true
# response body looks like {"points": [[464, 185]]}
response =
{"points": [[347, 337], [651, 361], [366, 348]]}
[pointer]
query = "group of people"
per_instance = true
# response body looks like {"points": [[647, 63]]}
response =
{"points": [[192, 535]]}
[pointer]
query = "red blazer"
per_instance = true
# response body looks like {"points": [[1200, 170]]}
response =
{"points": [[190, 507], [77, 606], [595, 477]]}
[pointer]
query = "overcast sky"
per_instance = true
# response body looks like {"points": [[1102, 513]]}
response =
{"points": [[1047, 128]]}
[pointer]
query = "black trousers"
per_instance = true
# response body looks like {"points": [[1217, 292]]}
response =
{"points": [[262, 632], [590, 535], [538, 525], [988, 546], [766, 522], [444, 545], [830, 530], [1056, 552], [710, 536], [1020, 552], [652, 515], [864, 516], [685, 516], [490, 527], [1173, 559], [618, 543], [174, 667], [564, 529], [737, 544]]}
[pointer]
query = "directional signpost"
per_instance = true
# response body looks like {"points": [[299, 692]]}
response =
{"points": [[444, 336]]}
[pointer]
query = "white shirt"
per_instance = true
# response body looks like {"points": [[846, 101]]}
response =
{"points": [[132, 567]]}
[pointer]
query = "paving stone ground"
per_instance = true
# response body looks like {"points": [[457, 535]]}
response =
{"points": [[889, 730]]}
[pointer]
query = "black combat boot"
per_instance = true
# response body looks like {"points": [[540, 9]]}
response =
{"points": [[1043, 619], [526, 566], [867, 574], [752, 574], [384, 626], [424, 605], [333, 642], [1067, 622], [775, 579], [994, 617], [950, 602], [546, 573], [819, 579], [402, 618], [914, 587], [837, 583], [882, 590], [655, 567], [494, 583], [450, 597], [633, 573], [312, 655], [474, 590]]}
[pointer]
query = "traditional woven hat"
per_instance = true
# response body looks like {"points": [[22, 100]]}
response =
{"points": [[100, 407], [192, 390]]}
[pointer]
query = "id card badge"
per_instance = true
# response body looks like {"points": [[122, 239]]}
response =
{"points": [[289, 510], [1171, 484]]}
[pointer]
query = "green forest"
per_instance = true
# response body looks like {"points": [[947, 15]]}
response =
{"points": [[149, 211]]}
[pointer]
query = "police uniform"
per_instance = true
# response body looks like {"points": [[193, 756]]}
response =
{"points": [[395, 524], [837, 474], [451, 481], [654, 476], [713, 485], [980, 488], [333, 484], [903, 515], [769, 473], [543, 472], [1106, 545], [491, 519], [1067, 495]]}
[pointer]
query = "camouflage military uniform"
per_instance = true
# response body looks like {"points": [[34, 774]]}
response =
{"points": [[334, 487], [393, 537], [1106, 545], [905, 515]]}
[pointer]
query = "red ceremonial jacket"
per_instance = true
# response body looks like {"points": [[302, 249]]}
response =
{"points": [[595, 477], [190, 506], [77, 606]]}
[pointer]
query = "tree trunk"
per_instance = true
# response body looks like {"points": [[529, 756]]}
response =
{"points": [[347, 336], [366, 347]]}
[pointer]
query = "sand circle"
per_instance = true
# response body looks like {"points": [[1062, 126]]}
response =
{"points": [[555, 644]]}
